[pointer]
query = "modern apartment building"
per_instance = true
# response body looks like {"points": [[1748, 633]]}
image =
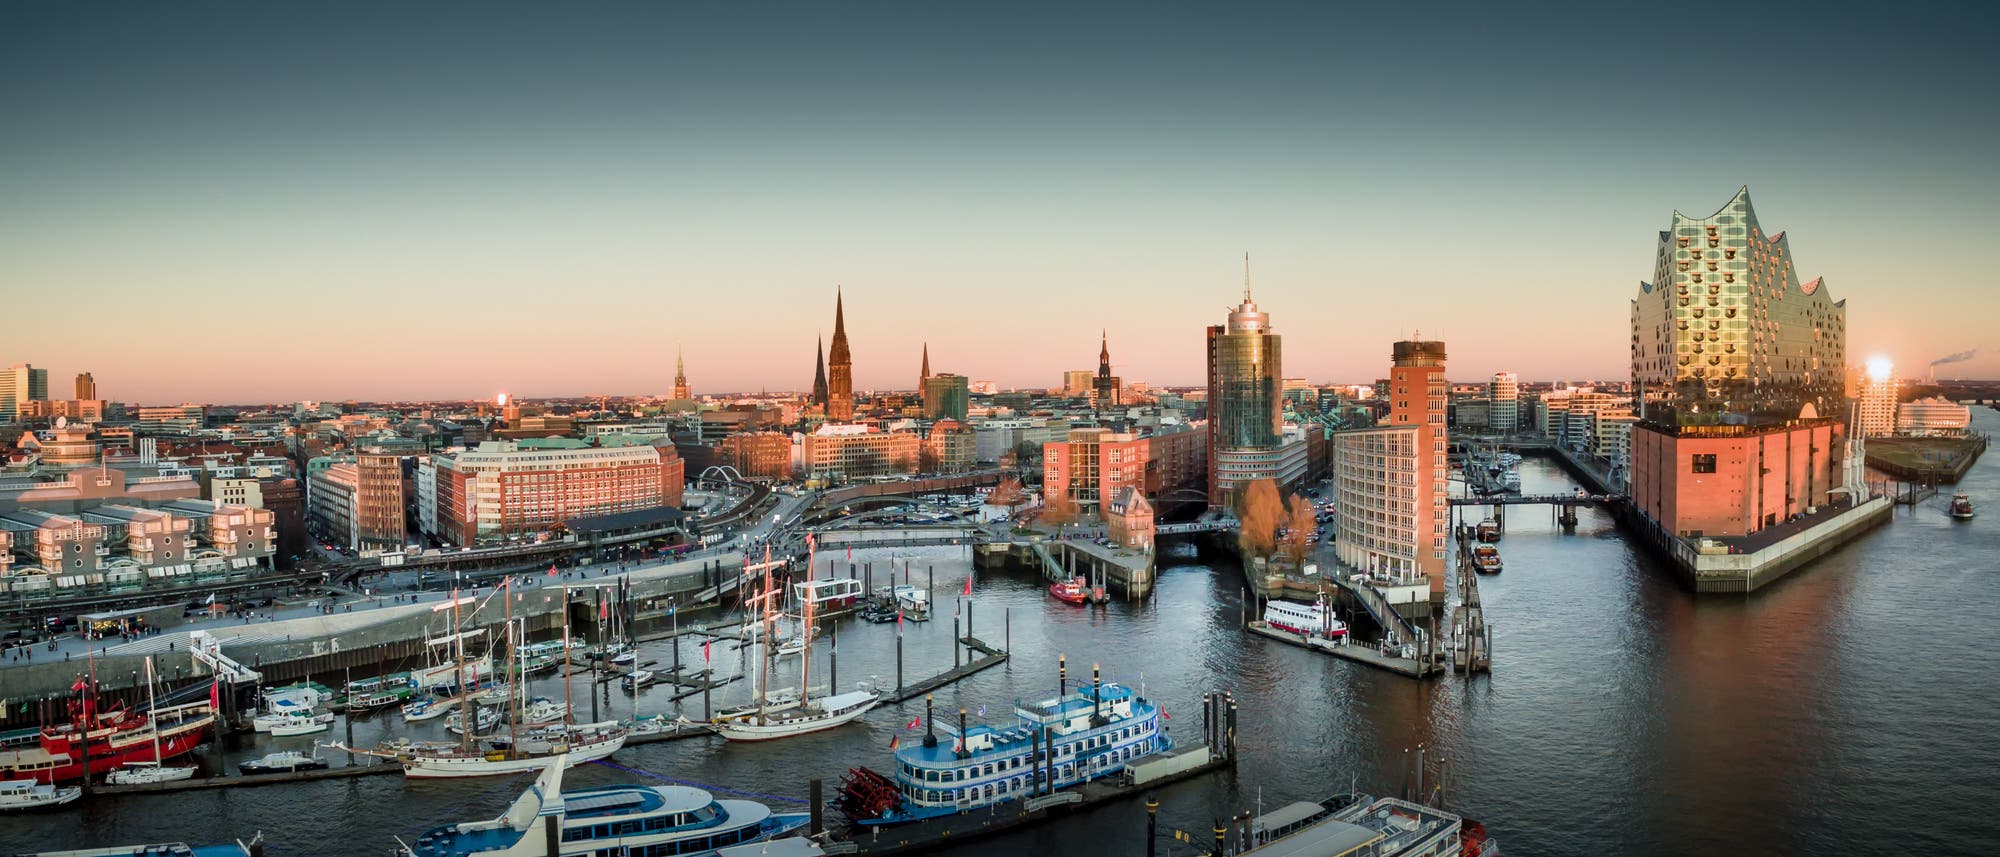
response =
{"points": [[1875, 405], [1503, 396], [1419, 396], [1377, 497], [20, 384]]}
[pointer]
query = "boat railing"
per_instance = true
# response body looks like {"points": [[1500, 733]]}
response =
{"points": [[1068, 739]]}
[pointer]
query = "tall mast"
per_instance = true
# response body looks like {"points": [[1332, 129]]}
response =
{"points": [[153, 711], [567, 704], [466, 720], [770, 627], [513, 670], [806, 633]]}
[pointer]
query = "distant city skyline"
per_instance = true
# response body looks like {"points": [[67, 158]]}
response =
{"points": [[241, 207]]}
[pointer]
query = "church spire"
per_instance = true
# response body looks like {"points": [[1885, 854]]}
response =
{"points": [[840, 366], [819, 372], [680, 375], [926, 373]]}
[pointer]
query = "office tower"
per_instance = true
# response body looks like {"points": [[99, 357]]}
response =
{"points": [[947, 397], [840, 368], [1875, 406], [1739, 369], [1077, 383], [1503, 395], [86, 387], [1245, 417], [20, 384]]}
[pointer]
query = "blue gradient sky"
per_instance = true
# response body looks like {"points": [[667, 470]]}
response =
{"points": [[268, 202]]}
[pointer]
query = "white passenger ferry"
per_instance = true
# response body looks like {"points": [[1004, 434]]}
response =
{"points": [[1312, 620]]}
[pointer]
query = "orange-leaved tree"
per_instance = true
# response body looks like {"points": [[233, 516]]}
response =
{"points": [[1299, 524], [1258, 511]]}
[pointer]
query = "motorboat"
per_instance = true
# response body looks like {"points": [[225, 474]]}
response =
{"points": [[638, 679], [146, 773], [541, 710], [25, 795], [1489, 530], [483, 719], [496, 694], [625, 658], [619, 819], [304, 725], [1486, 559], [1076, 591], [1961, 507], [288, 719], [284, 762], [427, 708]]}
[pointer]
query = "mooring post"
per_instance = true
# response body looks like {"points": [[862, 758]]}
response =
{"points": [[954, 639], [899, 655], [813, 788], [1152, 823]]}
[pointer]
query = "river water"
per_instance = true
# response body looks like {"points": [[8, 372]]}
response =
{"points": [[1848, 708]]}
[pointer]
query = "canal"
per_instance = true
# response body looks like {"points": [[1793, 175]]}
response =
{"points": [[1847, 708]]}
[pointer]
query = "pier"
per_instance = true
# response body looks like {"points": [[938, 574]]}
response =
{"points": [[1358, 653], [247, 780], [989, 657]]}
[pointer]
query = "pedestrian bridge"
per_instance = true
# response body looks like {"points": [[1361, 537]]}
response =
{"points": [[1224, 526], [1539, 500]]}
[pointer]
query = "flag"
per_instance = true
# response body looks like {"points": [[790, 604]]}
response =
{"points": [[894, 742], [915, 722], [704, 649], [850, 553], [211, 599], [78, 687], [968, 587], [604, 610], [552, 569], [1165, 716], [982, 711], [215, 696], [899, 619]]}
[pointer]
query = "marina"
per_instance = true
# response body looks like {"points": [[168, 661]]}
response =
{"points": [[1578, 577]]}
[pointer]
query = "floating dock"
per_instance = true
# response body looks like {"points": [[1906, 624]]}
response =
{"points": [[247, 780], [989, 657], [1360, 654]]}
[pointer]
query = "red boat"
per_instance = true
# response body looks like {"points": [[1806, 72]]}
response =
{"points": [[116, 737], [1071, 591]]}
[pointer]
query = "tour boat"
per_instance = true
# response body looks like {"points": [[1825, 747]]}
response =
{"points": [[1093, 732], [284, 762], [374, 694], [304, 725], [280, 704], [22, 795], [913, 601], [539, 657], [1961, 507], [115, 736], [1486, 559], [1075, 591], [546, 821], [1489, 530], [1312, 620]]}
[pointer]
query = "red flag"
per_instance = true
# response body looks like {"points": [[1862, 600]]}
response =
{"points": [[215, 696], [850, 553], [704, 650], [78, 687], [915, 722], [899, 619], [968, 587], [552, 570], [604, 610]]}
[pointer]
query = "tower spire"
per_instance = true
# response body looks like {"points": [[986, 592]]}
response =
{"points": [[927, 366], [1246, 277]]}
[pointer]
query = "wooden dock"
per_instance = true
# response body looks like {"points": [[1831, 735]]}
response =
{"points": [[247, 780], [1361, 654], [680, 731], [989, 657]]}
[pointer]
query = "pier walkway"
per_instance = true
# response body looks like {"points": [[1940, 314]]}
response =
{"points": [[989, 657]]}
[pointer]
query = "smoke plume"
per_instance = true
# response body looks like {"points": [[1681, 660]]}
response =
{"points": [[1960, 357]]}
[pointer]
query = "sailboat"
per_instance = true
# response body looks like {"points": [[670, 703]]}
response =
{"points": [[509, 754], [810, 715], [150, 770]]}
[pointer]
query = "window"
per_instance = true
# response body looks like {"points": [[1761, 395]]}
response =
{"points": [[1704, 463]]}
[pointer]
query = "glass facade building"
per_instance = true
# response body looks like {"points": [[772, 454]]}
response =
{"points": [[1246, 438], [1726, 332]]}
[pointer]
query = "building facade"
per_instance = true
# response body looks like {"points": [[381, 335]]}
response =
{"points": [[1503, 396], [1377, 499], [20, 384], [947, 397], [511, 489], [1245, 403], [1875, 406], [759, 455], [1418, 397], [1739, 368], [1934, 416], [844, 453]]}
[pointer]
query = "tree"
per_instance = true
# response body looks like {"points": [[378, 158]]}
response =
{"points": [[1008, 493], [928, 460], [1299, 524], [1258, 512]]}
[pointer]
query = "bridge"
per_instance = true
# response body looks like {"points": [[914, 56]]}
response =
{"points": [[1226, 526], [932, 485], [1539, 500]]}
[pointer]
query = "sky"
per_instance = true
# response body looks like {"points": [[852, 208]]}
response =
{"points": [[269, 202]]}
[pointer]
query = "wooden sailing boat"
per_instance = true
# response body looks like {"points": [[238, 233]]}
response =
{"points": [[149, 771], [810, 715]]}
